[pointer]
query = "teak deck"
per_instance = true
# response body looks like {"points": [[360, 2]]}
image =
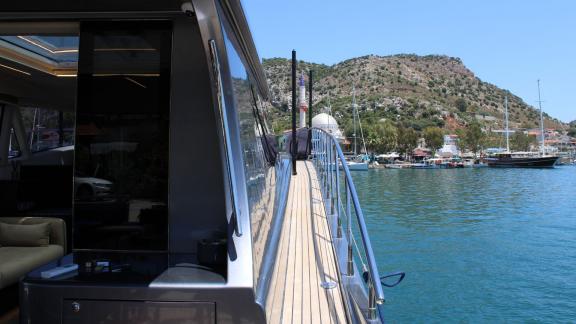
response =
{"points": [[305, 259]]}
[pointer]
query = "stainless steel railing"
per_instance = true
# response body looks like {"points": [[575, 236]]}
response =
{"points": [[329, 160]]}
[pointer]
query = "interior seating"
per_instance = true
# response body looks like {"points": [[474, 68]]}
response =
{"points": [[30, 250]]}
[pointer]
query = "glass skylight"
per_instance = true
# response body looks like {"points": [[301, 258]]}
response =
{"points": [[56, 55]]}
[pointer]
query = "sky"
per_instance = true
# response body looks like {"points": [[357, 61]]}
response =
{"points": [[508, 43]]}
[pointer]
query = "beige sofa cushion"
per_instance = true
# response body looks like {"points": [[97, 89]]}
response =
{"points": [[57, 225], [24, 235], [16, 261]]}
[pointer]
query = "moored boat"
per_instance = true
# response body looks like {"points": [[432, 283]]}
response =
{"points": [[510, 159], [521, 160], [357, 166]]}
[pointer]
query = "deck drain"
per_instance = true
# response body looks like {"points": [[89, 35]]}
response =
{"points": [[328, 285]]}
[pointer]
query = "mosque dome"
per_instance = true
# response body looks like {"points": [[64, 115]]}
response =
{"points": [[327, 123], [324, 121]]}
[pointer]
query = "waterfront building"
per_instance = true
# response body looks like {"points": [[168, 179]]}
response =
{"points": [[421, 153], [450, 147]]}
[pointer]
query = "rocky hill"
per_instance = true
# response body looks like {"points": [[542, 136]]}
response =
{"points": [[417, 91]]}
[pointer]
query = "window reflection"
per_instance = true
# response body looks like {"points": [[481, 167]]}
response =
{"points": [[260, 178], [121, 162], [37, 124], [52, 55], [47, 129]]}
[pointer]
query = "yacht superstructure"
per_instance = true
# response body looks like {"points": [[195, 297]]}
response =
{"points": [[140, 127]]}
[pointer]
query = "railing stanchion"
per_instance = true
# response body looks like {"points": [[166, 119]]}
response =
{"points": [[326, 166], [350, 263], [327, 173], [331, 196], [315, 147], [371, 300], [323, 155], [327, 155], [339, 231], [321, 152], [312, 145], [318, 153], [320, 159], [315, 156]]}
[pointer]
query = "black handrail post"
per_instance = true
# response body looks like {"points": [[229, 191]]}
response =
{"points": [[310, 85], [294, 143]]}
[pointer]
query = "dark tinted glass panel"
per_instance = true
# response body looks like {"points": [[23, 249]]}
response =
{"points": [[121, 162], [47, 129], [260, 177], [37, 116]]}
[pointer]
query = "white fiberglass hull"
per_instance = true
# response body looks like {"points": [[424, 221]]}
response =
{"points": [[357, 166]]}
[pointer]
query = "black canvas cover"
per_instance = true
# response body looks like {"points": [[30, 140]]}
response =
{"points": [[270, 148], [302, 147]]}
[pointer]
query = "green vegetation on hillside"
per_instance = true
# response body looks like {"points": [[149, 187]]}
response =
{"points": [[404, 93], [572, 129]]}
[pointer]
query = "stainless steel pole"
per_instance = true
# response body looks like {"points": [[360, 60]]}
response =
{"points": [[338, 214], [350, 269]]}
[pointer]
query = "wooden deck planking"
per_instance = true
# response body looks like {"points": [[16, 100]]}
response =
{"points": [[305, 259], [323, 237], [306, 231], [323, 241]]}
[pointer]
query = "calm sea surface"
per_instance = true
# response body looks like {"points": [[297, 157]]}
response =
{"points": [[478, 245]]}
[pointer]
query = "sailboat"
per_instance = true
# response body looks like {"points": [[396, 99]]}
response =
{"points": [[510, 159], [358, 162]]}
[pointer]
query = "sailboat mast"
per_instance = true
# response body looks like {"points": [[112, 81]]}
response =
{"points": [[354, 115], [329, 105], [507, 129], [329, 110], [541, 121]]}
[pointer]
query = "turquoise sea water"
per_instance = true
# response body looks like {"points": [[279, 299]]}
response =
{"points": [[478, 245]]}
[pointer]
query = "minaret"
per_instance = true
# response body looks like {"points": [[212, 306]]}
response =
{"points": [[302, 101]]}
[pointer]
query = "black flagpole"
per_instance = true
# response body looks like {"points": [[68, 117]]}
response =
{"points": [[294, 143], [310, 82]]}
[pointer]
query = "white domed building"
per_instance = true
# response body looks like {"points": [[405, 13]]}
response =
{"points": [[329, 124]]}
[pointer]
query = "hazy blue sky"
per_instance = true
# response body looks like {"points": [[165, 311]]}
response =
{"points": [[508, 43]]}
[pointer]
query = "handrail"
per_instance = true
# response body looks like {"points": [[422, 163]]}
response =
{"points": [[267, 266], [324, 146]]}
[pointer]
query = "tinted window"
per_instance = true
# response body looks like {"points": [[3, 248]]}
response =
{"points": [[260, 178], [121, 161], [37, 103], [47, 129]]}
